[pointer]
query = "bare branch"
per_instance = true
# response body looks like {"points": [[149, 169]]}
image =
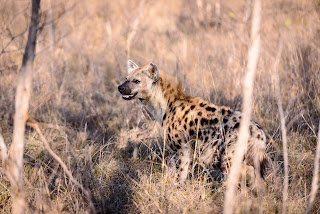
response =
{"points": [[11, 40], [35, 125], [283, 130], [237, 160], [315, 178]]}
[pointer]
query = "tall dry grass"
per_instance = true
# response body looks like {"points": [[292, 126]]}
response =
{"points": [[96, 134]]}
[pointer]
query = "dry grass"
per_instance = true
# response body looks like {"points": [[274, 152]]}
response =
{"points": [[97, 134]]}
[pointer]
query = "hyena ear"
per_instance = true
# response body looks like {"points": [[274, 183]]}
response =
{"points": [[131, 66], [154, 72]]}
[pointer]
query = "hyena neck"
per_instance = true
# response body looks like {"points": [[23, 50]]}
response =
{"points": [[164, 92]]}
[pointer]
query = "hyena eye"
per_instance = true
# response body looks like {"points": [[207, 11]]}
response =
{"points": [[136, 81]]}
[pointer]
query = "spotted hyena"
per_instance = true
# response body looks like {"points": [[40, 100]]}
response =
{"points": [[192, 125]]}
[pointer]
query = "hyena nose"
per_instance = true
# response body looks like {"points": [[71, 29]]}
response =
{"points": [[121, 88]]}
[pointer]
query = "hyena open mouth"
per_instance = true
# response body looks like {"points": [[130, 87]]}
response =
{"points": [[129, 96]]}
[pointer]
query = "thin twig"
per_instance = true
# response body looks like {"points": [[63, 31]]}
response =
{"points": [[283, 131], [315, 178], [11, 40], [241, 145]]}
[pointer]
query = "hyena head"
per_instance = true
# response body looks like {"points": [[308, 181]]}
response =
{"points": [[139, 81]]}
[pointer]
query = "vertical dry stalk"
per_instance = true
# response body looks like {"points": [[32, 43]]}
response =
{"points": [[134, 27], [51, 31], [218, 14], [13, 165], [237, 160], [283, 131], [315, 178]]}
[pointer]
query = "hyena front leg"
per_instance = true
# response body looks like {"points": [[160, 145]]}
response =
{"points": [[184, 161]]}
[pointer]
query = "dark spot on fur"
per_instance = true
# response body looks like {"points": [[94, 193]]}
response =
{"points": [[225, 128], [202, 104], [179, 162], [179, 122], [196, 121], [259, 127], [204, 132], [258, 136], [225, 120], [236, 125], [172, 125], [223, 111], [169, 85], [179, 140], [206, 139], [186, 120], [176, 135], [178, 146], [191, 132], [169, 138], [171, 91], [214, 121], [213, 109], [185, 127], [204, 121], [182, 108], [164, 116], [229, 111], [191, 123], [192, 107], [199, 134], [187, 111], [234, 119], [169, 130], [170, 105], [200, 113]]}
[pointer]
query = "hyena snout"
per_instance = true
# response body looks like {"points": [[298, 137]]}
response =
{"points": [[124, 88], [126, 92]]}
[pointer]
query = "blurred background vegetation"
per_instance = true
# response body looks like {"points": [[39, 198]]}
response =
{"points": [[111, 146]]}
